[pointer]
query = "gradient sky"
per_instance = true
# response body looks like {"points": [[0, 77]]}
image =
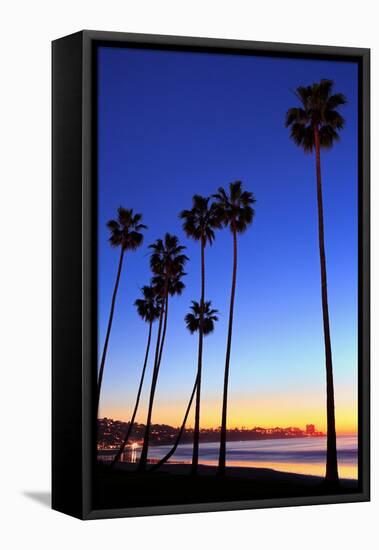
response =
{"points": [[173, 124]]}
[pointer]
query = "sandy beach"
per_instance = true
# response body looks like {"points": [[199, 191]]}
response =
{"points": [[251, 474], [172, 484]]}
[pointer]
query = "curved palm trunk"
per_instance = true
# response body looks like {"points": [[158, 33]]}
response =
{"points": [[331, 452], [179, 436], [104, 354], [163, 334], [196, 433], [131, 423], [157, 362], [222, 455]]}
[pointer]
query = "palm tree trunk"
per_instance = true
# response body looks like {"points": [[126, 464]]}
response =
{"points": [[196, 433], [179, 436], [331, 452], [163, 334], [104, 354], [131, 423], [222, 455], [157, 360]]}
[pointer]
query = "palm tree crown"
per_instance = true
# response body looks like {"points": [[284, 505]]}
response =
{"points": [[126, 230], [149, 307], [234, 208], [175, 286], [208, 315], [167, 258], [318, 110], [201, 220]]}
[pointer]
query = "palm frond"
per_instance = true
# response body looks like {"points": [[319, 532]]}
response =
{"points": [[112, 225], [235, 190], [303, 93], [295, 114], [303, 136], [324, 88], [115, 239], [328, 136], [192, 323], [140, 226], [334, 119], [133, 240], [336, 100], [124, 216]]}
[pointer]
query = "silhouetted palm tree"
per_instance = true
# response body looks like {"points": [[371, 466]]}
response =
{"points": [[149, 309], [199, 224], [201, 318], [125, 234], [315, 125], [193, 320], [166, 262], [234, 210]]}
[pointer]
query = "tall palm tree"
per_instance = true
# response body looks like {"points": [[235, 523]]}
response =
{"points": [[199, 224], [315, 125], [194, 321], [166, 262], [149, 309], [126, 235], [234, 209]]}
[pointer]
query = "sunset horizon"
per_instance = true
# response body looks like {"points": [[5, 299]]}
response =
{"points": [[233, 426]]}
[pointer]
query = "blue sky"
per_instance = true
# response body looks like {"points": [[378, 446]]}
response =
{"points": [[173, 124]]}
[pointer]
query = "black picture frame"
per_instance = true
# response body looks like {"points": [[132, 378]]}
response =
{"points": [[74, 322]]}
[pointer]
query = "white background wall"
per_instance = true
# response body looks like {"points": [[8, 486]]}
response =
{"points": [[27, 27]]}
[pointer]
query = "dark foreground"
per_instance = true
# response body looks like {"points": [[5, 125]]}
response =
{"points": [[172, 485]]}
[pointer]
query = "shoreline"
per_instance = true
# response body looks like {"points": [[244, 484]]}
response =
{"points": [[243, 440], [204, 440]]}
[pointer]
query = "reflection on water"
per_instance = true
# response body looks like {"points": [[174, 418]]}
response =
{"points": [[346, 471], [306, 455], [129, 455]]}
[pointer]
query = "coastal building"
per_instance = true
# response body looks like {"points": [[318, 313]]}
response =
{"points": [[310, 429]]}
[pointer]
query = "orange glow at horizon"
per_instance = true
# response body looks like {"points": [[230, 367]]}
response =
{"points": [[264, 412]]}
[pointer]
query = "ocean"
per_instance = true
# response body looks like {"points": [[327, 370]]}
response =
{"points": [[304, 455]]}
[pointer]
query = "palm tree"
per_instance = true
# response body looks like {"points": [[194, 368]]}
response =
{"points": [[194, 321], [166, 262], [149, 309], [234, 210], [201, 318], [125, 234], [199, 224], [315, 125]]}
